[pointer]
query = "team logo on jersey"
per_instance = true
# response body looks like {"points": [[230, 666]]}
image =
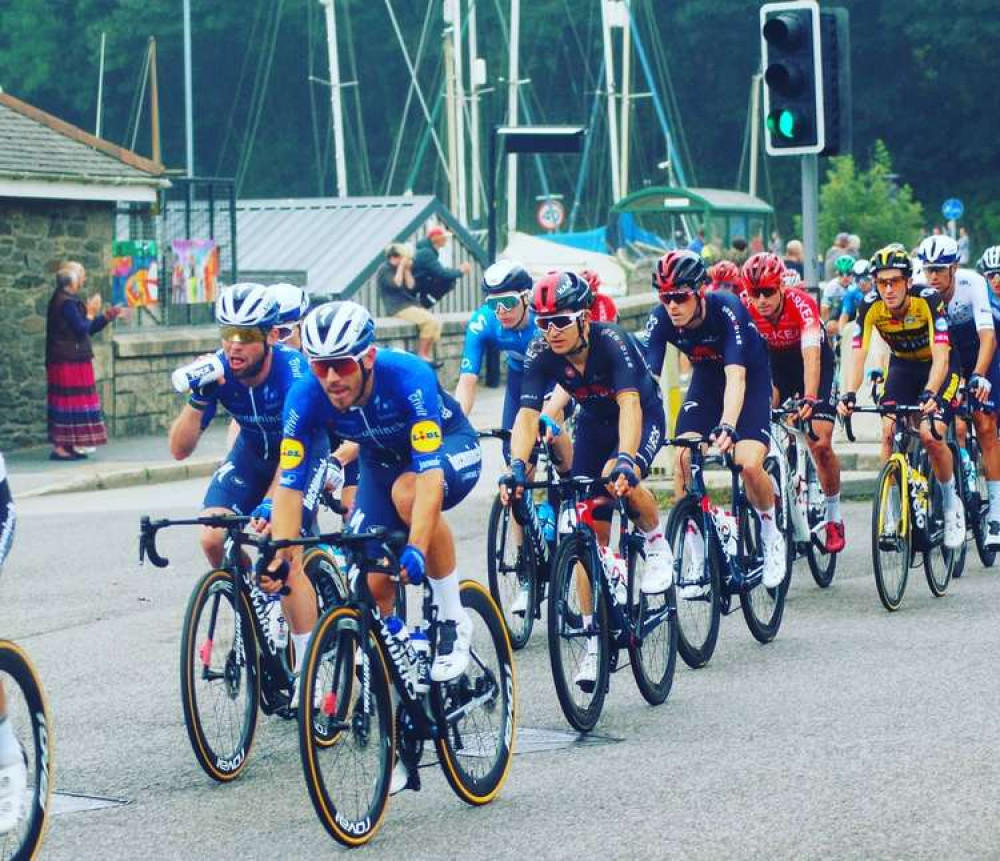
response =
{"points": [[941, 324], [425, 437], [292, 453]]}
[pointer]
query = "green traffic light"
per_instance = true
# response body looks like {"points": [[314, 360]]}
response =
{"points": [[784, 123]]}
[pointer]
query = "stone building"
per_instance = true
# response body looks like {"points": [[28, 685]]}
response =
{"points": [[59, 189]]}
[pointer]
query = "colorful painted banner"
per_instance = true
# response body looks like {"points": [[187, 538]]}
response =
{"points": [[194, 271], [135, 274]]}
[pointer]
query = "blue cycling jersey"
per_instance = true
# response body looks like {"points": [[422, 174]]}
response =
{"points": [[403, 422], [485, 330], [258, 409], [852, 298]]}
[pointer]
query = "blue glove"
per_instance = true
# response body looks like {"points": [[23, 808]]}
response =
{"points": [[517, 477], [626, 467], [547, 424], [263, 511], [412, 559]]}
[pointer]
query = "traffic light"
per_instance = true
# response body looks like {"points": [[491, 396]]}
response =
{"points": [[791, 53]]}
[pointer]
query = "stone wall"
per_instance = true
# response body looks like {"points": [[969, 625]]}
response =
{"points": [[35, 237]]}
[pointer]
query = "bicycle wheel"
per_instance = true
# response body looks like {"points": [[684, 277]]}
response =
{"points": [[763, 608], [568, 640], [939, 561], [477, 712], [698, 585], [980, 502], [511, 569], [653, 655], [891, 542], [23, 702], [220, 676], [822, 565], [348, 780]]}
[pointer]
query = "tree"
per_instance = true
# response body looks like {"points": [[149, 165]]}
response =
{"points": [[868, 203]]}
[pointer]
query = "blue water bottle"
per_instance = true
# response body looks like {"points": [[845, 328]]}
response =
{"points": [[547, 518]]}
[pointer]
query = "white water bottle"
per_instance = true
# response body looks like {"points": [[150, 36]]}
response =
{"points": [[422, 647], [200, 372], [618, 576], [725, 525]]}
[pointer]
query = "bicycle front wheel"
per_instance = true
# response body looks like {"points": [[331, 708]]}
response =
{"points": [[763, 608], [346, 727], [23, 705], [653, 654], [822, 565], [891, 539], [510, 566], [220, 676], [477, 712]]}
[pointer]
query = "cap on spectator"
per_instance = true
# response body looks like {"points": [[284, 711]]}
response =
{"points": [[437, 230]]}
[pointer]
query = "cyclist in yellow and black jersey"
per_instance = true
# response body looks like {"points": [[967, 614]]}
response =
{"points": [[922, 369]]}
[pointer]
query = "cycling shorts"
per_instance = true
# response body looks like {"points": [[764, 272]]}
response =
{"points": [[968, 368], [788, 376], [701, 411], [351, 473], [244, 477], [907, 378], [596, 441], [511, 404]]}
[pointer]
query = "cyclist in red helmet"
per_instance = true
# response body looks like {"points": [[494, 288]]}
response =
{"points": [[725, 276], [602, 308], [802, 366]]}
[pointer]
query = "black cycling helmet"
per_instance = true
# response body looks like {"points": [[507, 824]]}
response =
{"points": [[506, 276], [560, 293], [892, 257]]}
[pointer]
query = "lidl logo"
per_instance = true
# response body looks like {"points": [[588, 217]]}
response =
{"points": [[425, 436], [292, 452]]}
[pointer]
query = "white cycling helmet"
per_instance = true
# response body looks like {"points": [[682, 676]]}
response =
{"points": [[938, 251], [293, 302], [337, 329], [989, 263], [246, 304], [861, 269]]}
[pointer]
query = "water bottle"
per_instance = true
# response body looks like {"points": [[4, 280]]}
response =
{"points": [[725, 525], [397, 628], [614, 565], [206, 369], [968, 471], [276, 622], [547, 519], [422, 649]]}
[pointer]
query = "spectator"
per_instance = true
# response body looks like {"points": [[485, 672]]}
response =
{"points": [[838, 249], [75, 419], [738, 252], [396, 287], [698, 243], [433, 280], [757, 243], [794, 257], [854, 245], [963, 247], [774, 246]]}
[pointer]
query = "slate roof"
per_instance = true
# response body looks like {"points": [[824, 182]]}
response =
{"points": [[35, 145]]}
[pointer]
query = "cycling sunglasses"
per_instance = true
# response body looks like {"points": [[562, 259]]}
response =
{"points": [[677, 297], [766, 292], [882, 283], [557, 321], [286, 332], [506, 302], [243, 334], [342, 366]]}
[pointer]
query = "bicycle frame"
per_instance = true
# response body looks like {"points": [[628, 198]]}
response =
{"points": [[794, 486]]}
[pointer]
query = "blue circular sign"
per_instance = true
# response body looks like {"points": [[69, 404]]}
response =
{"points": [[952, 209]]}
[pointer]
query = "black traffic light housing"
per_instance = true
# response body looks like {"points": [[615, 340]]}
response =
{"points": [[836, 36]]}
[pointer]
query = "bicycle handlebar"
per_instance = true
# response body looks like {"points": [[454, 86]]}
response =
{"points": [[897, 411], [789, 408]]}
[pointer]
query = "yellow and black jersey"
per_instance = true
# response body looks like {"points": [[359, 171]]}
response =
{"points": [[909, 337]]}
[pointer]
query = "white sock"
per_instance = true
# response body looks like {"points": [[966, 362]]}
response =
{"points": [[10, 748], [654, 536], [301, 643], [769, 526], [833, 509], [950, 496], [993, 490], [591, 641], [447, 597], [696, 542]]}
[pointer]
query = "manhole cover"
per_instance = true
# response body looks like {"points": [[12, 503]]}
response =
{"points": [[534, 740], [77, 802]]}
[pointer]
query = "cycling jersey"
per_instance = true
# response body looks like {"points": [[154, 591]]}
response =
{"points": [[832, 295], [909, 338], [485, 330], [798, 323], [604, 309], [851, 301], [969, 312], [615, 364]]}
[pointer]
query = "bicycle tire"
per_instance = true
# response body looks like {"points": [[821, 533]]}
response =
{"points": [[475, 759], [695, 642], [939, 562], [987, 556], [222, 766], [563, 606], [654, 682], [764, 608], [892, 544], [27, 707], [333, 646], [822, 565], [503, 587]]}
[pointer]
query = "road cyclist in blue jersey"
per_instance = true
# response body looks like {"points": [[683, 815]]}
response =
{"points": [[729, 397]]}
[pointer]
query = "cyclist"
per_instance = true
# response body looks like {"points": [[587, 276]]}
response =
{"points": [[730, 391], [802, 365], [13, 768], [989, 267], [725, 276], [861, 283], [603, 309], [832, 294], [419, 456], [973, 338], [923, 369], [619, 424]]}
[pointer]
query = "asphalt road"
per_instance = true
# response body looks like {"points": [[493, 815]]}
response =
{"points": [[855, 734]]}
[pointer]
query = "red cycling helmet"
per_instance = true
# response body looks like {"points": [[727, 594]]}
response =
{"points": [[560, 293], [725, 272], [679, 269], [763, 270], [593, 279]]}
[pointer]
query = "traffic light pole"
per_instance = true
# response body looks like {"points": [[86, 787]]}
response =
{"points": [[810, 219]]}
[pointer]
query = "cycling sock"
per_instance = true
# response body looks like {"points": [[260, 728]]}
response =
{"points": [[301, 642], [10, 748], [591, 641], [654, 536], [950, 496], [993, 489], [833, 509], [769, 527], [447, 597]]}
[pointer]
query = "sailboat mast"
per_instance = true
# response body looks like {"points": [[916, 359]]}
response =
{"points": [[754, 131], [335, 101], [626, 96], [609, 78], [458, 62], [477, 173], [513, 77]]}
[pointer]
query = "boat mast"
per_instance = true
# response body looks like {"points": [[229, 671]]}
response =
{"points": [[626, 96], [609, 78], [335, 102], [754, 131], [459, 107], [474, 83], [513, 79]]}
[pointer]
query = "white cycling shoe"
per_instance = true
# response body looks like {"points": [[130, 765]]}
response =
{"points": [[13, 784], [400, 777], [586, 677], [659, 573], [954, 528], [454, 646], [519, 607], [992, 535], [774, 561]]}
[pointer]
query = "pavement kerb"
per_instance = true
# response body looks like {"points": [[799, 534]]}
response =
{"points": [[114, 479]]}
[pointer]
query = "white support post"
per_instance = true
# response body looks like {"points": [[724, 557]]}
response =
{"points": [[754, 131], [458, 60], [513, 78], [335, 101], [626, 97], [609, 77], [477, 171]]}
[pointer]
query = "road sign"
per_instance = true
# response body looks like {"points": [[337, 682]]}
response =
{"points": [[952, 209], [551, 214]]}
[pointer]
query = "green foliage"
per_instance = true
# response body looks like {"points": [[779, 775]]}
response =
{"points": [[867, 203]]}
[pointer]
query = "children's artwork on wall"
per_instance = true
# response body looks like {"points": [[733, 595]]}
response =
{"points": [[135, 274], [194, 271]]}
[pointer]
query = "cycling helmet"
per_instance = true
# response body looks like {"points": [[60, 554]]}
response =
{"points": [[989, 263], [593, 279], [560, 293], [337, 329], [246, 304], [891, 257], [764, 269], [938, 251], [725, 272], [679, 269], [506, 276], [861, 269], [844, 264], [293, 302]]}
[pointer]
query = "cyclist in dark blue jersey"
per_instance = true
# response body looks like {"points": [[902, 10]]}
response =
{"points": [[729, 396]]}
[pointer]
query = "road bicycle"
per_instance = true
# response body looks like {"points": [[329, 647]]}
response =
{"points": [[622, 617], [348, 735], [233, 663], [718, 558], [972, 489], [23, 702]]}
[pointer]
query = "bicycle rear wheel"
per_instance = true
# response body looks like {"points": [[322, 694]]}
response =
{"points": [[697, 583], [569, 641], [891, 542], [980, 500], [822, 565], [763, 608], [477, 711], [348, 775], [511, 569], [26, 710], [220, 676], [939, 561], [653, 655]]}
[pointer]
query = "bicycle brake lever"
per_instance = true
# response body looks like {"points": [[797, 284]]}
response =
{"points": [[147, 545]]}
